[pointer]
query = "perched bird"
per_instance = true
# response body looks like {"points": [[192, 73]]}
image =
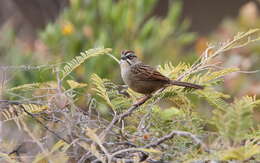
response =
{"points": [[143, 78]]}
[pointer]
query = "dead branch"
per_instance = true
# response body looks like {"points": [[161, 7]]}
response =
{"points": [[178, 133]]}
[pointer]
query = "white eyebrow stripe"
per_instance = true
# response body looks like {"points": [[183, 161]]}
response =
{"points": [[128, 54]]}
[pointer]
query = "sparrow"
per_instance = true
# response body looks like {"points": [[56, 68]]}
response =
{"points": [[143, 78]]}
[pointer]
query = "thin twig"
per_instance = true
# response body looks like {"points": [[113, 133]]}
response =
{"points": [[119, 117], [174, 133], [51, 131], [30, 67], [126, 150], [16, 102], [45, 152]]}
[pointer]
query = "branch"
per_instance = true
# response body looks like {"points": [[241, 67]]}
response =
{"points": [[16, 102], [122, 116], [240, 40], [178, 133], [124, 151], [51, 131], [44, 151]]}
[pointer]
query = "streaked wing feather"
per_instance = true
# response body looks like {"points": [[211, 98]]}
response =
{"points": [[151, 75]]}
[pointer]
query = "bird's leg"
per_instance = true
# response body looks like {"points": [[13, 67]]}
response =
{"points": [[122, 89], [142, 100]]}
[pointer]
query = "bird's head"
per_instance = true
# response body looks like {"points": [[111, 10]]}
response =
{"points": [[129, 57]]}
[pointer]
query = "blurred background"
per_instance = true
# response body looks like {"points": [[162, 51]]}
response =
{"points": [[35, 32]]}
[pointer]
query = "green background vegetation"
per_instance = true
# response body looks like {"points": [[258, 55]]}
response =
{"points": [[225, 115]]}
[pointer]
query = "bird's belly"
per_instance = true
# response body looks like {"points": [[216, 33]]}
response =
{"points": [[140, 86], [143, 87]]}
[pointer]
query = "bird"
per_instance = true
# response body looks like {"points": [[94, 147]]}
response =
{"points": [[145, 79]]}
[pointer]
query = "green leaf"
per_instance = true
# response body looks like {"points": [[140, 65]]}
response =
{"points": [[78, 60], [100, 89], [73, 84], [235, 122], [240, 153], [168, 114], [214, 98]]}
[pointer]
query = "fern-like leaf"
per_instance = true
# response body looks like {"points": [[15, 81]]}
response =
{"points": [[78, 60], [73, 84], [235, 122], [25, 86], [13, 111], [100, 89], [173, 71], [243, 38], [169, 93], [240, 153], [31, 86], [214, 98], [212, 76]]}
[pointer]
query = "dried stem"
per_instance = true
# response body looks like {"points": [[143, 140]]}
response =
{"points": [[178, 133]]}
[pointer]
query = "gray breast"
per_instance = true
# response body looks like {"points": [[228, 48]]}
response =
{"points": [[125, 70]]}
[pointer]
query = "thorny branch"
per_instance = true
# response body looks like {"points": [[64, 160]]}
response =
{"points": [[178, 133]]}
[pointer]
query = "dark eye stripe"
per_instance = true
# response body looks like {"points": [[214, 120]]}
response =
{"points": [[129, 55]]}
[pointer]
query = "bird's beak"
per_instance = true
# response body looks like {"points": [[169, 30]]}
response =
{"points": [[123, 58]]}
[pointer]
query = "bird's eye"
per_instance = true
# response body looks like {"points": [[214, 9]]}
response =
{"points": [[130, 56]]}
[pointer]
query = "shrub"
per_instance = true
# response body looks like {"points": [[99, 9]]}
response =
{"points": [[176, 133]]}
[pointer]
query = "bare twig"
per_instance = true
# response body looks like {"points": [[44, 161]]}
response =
{"points": [[117, 118], [178, 133], [126, 150], [16, 102], [30, 67], [45, 151], [51, 131], [141, 126]]}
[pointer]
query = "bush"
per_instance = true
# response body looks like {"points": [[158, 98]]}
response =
{"points": [[118, 24], [147, 131]]}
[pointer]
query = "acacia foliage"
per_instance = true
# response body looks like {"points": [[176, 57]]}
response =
{"points": [[109, 128]]}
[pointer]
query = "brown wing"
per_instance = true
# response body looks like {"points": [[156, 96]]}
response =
{"points": [[148, 73]]}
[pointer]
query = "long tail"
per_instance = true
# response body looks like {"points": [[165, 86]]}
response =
{"points": [[185, 84]]}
